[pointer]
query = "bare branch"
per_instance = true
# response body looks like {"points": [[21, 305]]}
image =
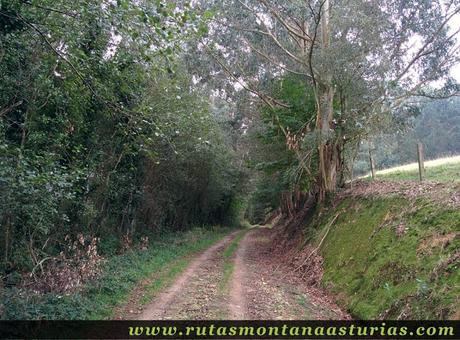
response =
{"points": [[285, 24], [272, 36], [10, 108], [422, 51], [74, 16], [249, 30], [264, 97], [265, 56]]}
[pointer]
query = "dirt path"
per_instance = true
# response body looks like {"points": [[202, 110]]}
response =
{"points": [[259, 288], [238, 304], [265, 289], [194, 295]]}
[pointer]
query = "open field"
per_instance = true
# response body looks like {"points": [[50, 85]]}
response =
{"points": [[439, 170]]}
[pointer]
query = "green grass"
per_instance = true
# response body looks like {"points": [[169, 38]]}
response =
{"points": [[164, 277], [438, 170], [229, 264], [372, 269], [231, 249], [121, 274], [441, 173]]}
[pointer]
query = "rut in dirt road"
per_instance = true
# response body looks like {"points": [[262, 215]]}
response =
{"points": [[195, 294], [264, 289], [259, 288]]}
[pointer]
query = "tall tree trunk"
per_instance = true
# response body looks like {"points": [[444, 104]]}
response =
{"points": [[328, 149], [328, 154]]}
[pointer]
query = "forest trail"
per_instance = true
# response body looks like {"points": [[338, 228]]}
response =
{"points": [[258, 287], [195, 293]]}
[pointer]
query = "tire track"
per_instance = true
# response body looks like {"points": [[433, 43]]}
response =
{"points": [[194, 294]]}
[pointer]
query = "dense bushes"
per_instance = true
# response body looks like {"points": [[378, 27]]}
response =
{"points": [[119, 275], [280, 175], [102, 134]]}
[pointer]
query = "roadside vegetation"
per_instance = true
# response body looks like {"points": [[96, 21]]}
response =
{"points": [[385, 258], [168, 255], [106, 147], [126, 124]]}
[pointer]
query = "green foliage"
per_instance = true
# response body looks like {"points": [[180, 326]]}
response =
{"points": [[387, 261], [102, 131], [278, 166], [299, 96], [120, 275], [235, 212]]}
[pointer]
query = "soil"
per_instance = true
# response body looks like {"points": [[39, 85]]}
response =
{"points": [[194, 294], [262, 286], [447, 194]]}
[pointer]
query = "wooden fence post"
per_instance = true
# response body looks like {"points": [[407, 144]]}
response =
{"points": [[421, 161], [372, 162]]}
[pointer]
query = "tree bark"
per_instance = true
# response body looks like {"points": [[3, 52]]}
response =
{"points": [[329, 151]]}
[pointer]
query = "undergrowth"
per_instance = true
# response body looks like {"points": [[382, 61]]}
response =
{"points": [[120, 274], [389, 258]]}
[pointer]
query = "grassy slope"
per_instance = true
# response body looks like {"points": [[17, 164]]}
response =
{"points": [[120, 275], [375, 272]]}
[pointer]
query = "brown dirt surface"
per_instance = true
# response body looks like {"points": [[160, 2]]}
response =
{"points": [[261, 287], [447, 194], [274, 290], [194, 294]]}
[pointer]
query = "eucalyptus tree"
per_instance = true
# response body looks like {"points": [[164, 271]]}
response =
{"points": [[362, 59]]}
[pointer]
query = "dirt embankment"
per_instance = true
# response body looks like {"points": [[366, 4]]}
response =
{"points": [[441, 193], [382, 249]]}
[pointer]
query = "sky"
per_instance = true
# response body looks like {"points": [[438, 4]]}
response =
{"points": [[456, 72]]}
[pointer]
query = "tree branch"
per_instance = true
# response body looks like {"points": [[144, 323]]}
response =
{"points": [[286, 25], [265, 56], [74, 16], [421, 52], [271, 35]]}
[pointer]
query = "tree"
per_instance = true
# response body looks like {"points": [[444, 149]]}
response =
{"points": [[365, 57], [102, 132], [282, 178]]}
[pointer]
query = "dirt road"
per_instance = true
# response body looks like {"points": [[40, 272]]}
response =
{"points": [[258, 288]]}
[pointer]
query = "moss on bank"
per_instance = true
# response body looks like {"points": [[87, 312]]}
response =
{"points": [[386, 257]]}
